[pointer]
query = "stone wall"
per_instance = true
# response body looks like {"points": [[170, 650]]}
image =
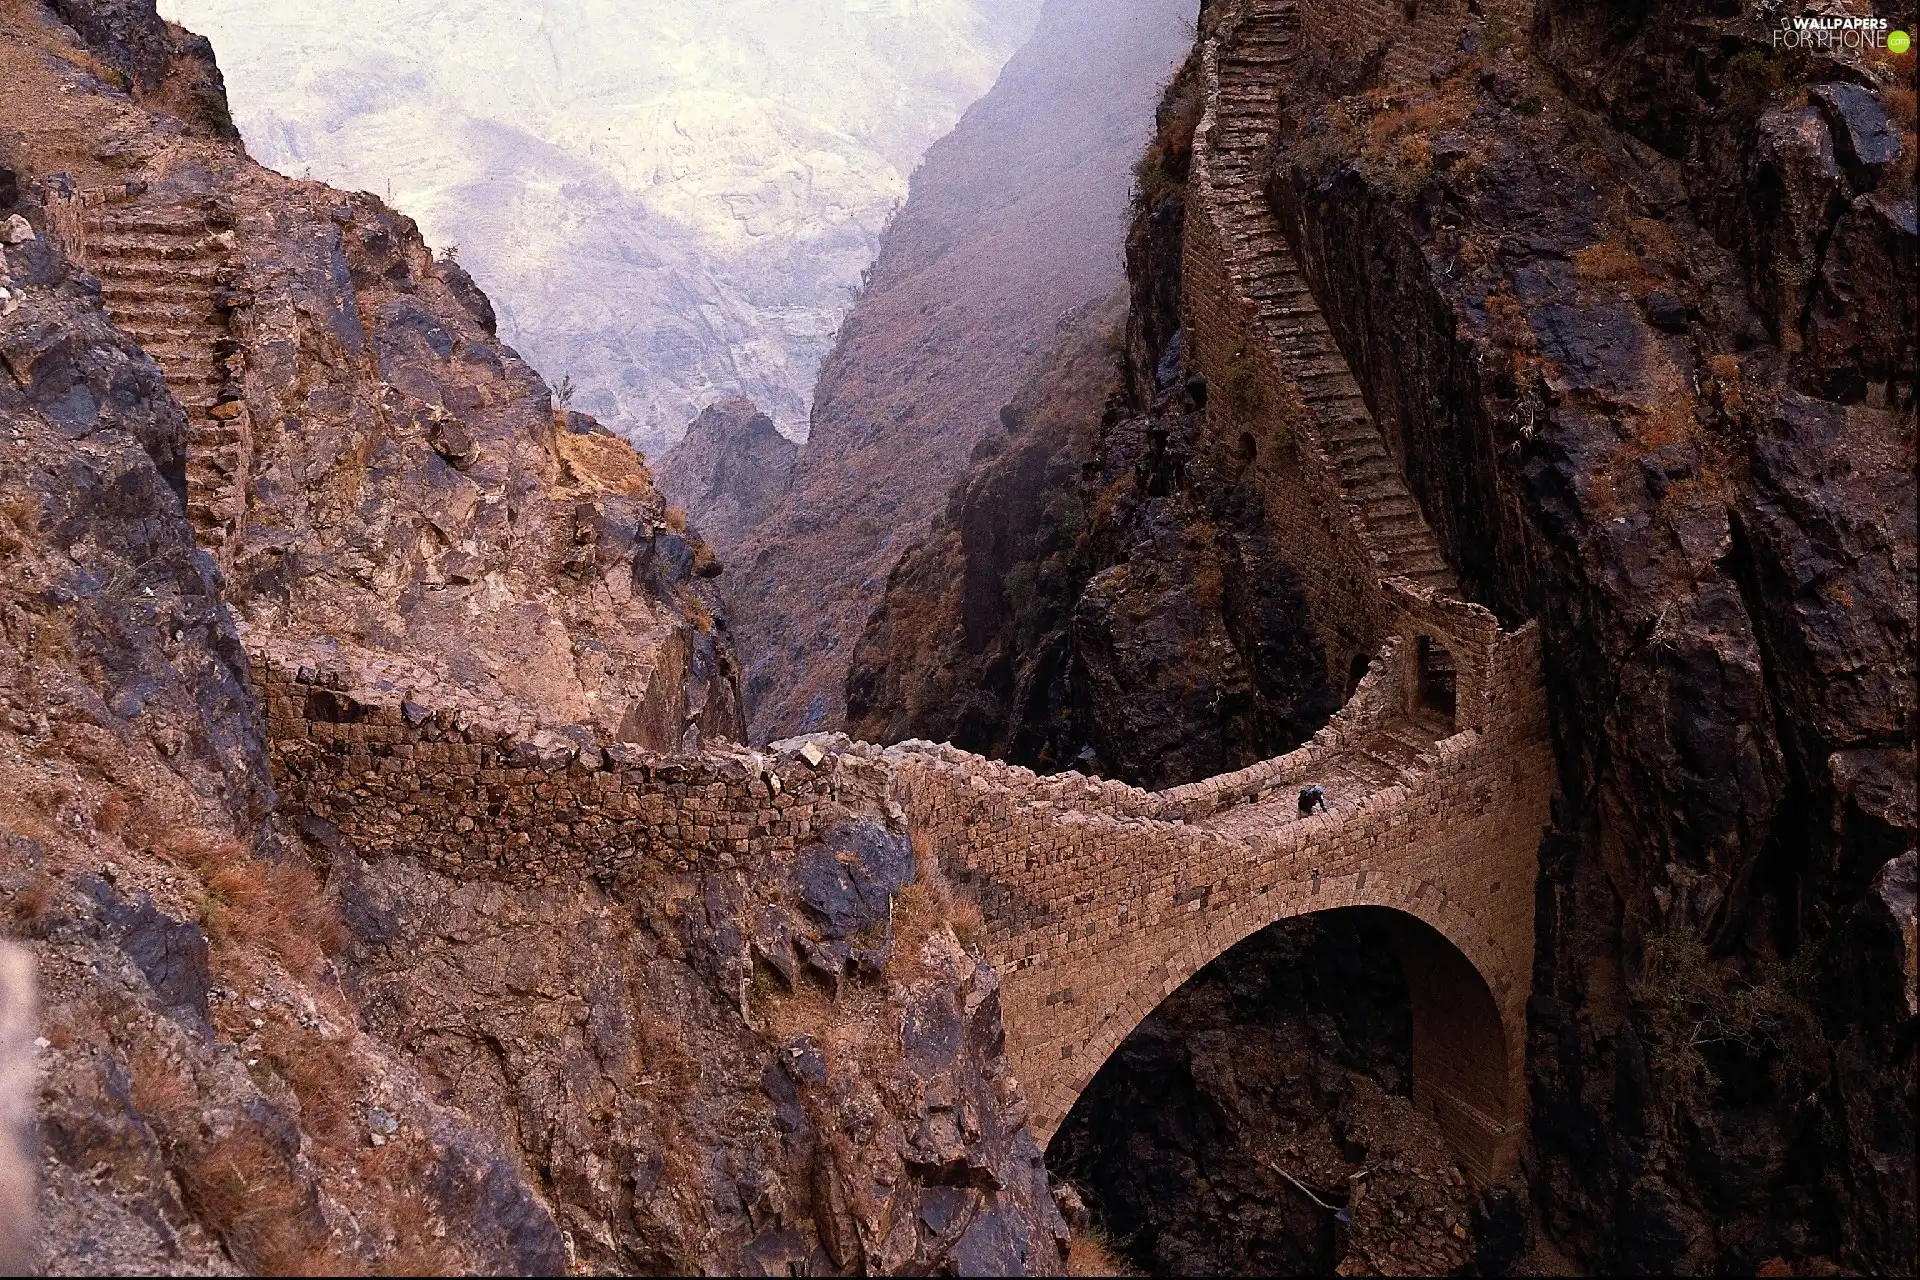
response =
{"points": [[1250, 394], [479, 802]]}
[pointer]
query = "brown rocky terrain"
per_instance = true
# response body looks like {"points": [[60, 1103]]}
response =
{"points": [[1616, 282], [259, 1052], [1013, 219], [355, 426], [728, 472]]}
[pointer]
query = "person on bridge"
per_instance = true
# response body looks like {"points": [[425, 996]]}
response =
{"points": [[1313, 796]]}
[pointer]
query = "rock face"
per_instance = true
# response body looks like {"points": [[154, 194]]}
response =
{"points": [[1615, 283], [356, 427], [777, 1068], [728, 472], [264, 1055], [1013, 219], [1103, 591]]}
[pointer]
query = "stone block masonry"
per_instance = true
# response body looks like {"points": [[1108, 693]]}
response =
{"points": [[1096, 916], [475, 801]]}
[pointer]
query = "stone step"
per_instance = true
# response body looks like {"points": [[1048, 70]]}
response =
{"points": [[150, 222], [165, 269], [144, 331], [163, 309], [1424, 566], [114, 247]]}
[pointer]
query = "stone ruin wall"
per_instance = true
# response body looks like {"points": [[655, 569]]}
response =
{"points": [[476, 802], [1416, 33]]}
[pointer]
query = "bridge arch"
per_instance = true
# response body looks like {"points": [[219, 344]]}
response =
{"points": [[1458, 1038], [1101, 900]]}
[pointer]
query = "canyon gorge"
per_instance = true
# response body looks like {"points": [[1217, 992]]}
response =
{"points": [[1330, 690]]}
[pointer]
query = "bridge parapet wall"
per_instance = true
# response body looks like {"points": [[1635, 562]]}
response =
{"points": [[1250, 394], [479, 801]]}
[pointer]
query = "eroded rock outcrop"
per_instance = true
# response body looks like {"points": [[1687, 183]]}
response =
{"points": [[728, 472]]}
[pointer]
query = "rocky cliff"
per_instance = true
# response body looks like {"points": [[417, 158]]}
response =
{"points": [[364, 455], [728, 472], [238, 412], [1012, 220], [1616, 284], [1103, 591]]}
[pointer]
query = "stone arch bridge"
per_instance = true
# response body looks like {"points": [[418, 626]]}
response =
{"points": [[1100, 899]]}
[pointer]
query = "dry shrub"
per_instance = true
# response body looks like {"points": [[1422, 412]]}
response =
{"points": [[1092, 1253], [699, 614], [1899, 100], [33, 905], [323, 1075], [241, 1184], [931, 902], [111, 818], [252, 903], [676, 519], [1610, 262], [421, 1243]]}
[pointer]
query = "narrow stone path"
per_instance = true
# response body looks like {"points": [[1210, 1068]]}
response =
{"points": [[1251, 60], [165, 279], [1396, 754]]}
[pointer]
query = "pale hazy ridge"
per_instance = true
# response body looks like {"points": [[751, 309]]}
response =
{"points": [[668, 201]]}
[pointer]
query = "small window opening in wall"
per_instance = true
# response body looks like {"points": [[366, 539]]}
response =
{"points": [[1357, 672], [1245, 452], [1436, 677]]}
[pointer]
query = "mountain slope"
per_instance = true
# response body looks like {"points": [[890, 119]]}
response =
{"points": [[668, 202], [1014, 219]]}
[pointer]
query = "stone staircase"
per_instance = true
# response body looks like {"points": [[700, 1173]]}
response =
{"points": [[1251, 57], [168, 283]]}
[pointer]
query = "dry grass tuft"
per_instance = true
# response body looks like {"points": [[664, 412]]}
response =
{"points": [[324, 1076], [255, 904], [33, 906], [242, 1183], [1092, 1253], [1610, 262]]}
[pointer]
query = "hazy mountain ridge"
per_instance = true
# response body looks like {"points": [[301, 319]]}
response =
{"points": [[669, 203]]}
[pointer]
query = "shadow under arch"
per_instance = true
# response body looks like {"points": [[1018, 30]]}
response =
{"points": [[1462, 1064]]}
